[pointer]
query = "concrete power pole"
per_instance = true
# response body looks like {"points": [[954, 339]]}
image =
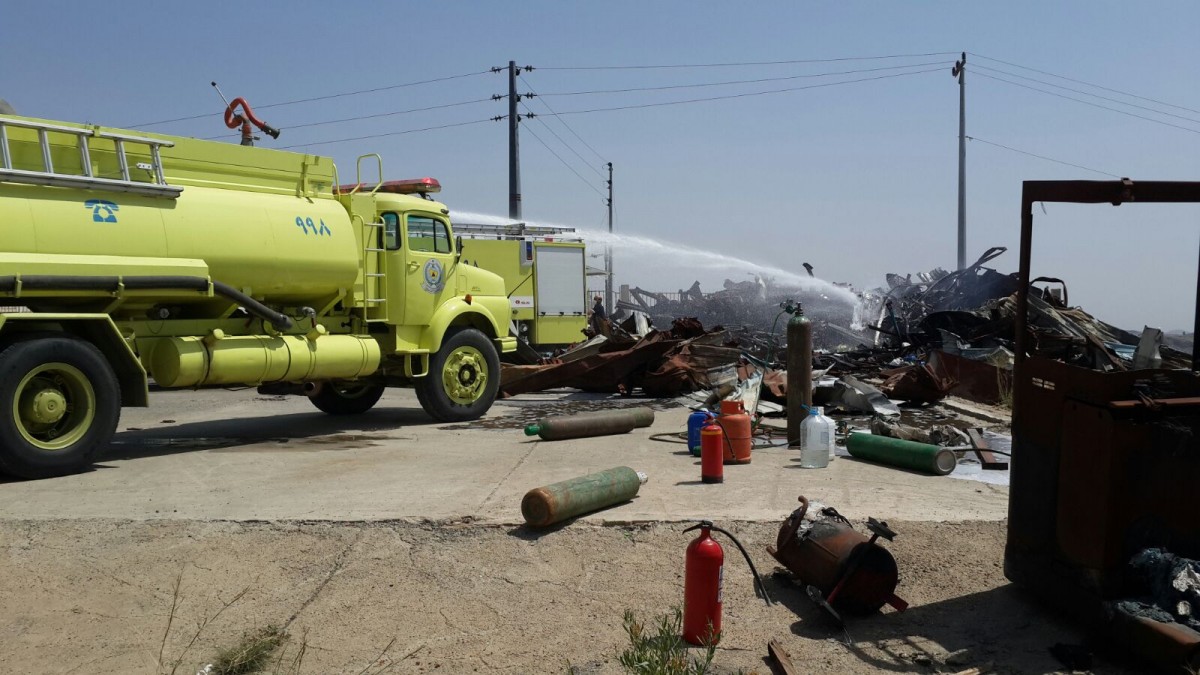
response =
{"points": [[608, 267], [514, 150], [960, 71]]}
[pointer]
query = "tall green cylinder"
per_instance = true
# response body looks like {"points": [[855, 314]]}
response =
{"points": [[599, 423], [904, 454], [557, 502]]}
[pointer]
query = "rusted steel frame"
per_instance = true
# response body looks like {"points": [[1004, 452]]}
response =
{"points": [[1091, 192]]}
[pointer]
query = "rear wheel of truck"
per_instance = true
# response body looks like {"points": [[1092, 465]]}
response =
{"points": [[347, 400], [59, 406], [464, 376]]}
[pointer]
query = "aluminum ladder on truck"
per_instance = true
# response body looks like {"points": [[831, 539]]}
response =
{"points": [[374, 262], [513, 231], [156, 186], [374, 291]]}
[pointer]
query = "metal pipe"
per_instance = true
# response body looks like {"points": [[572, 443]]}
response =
{"points": [[111, 284]]}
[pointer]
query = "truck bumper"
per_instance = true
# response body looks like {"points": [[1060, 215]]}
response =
{"points": [[506, 344]]}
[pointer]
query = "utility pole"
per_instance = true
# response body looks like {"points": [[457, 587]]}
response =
{"points": [[514, 150], [960, 71], [608, 270]]}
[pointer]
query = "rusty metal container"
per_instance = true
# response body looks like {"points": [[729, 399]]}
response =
{"points": [[554, 503], [1105, 463], [829, 554]]}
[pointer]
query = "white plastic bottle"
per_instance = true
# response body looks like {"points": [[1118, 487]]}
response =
{"points": [[832, 434], [816, 440]]}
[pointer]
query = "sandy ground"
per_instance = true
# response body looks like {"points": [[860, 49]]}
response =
{"points": [[388, 543], [96, 597]]}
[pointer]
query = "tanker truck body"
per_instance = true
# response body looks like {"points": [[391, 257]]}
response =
{"points": [[127, 256]]}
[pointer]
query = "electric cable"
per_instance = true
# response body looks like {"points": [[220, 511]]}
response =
{"points": [[749, 63], [562, 121], [367, 117], [321, 98], [560, 140], [734, 82], [747, 94], [1086, 93], [390, 133], [1090, 103], [1048, 159], [1089, 84], [564, 163]]}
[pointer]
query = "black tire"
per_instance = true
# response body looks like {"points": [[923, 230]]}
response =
{"points": [[471, 356], [47, 376], [347, 400]]}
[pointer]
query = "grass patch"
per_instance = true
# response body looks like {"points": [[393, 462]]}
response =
{"points": [[661, 650], [251, 654]]}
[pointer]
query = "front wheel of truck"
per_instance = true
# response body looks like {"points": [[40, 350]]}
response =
{"points": [[59, 406], [463, 378]]}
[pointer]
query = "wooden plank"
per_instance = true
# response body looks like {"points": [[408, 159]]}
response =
{"points": [[983, 451], [1164, 402], [780, 658]]}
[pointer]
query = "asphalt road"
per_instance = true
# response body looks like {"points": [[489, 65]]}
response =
{"points": [[236, 455]]}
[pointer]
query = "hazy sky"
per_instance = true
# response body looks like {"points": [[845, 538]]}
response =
{"points": [[858, 179]]}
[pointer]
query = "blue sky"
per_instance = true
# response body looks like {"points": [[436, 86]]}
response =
{"points": [[857, 179]]}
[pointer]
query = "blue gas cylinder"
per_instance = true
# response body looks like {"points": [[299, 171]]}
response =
{"points": [[695, 422]]}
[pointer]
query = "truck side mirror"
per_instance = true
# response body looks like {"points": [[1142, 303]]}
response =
{"points": [[457, 247]]}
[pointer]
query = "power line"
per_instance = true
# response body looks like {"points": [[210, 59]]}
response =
{"points": [[755, 93], [368, 117], [560, 140], [534, 94], [732, 82], [1088, 93], [318, 98], [749, 63], [1048, 159], [390, 133], [1089, 84], [564, 163], [1094, 105]]}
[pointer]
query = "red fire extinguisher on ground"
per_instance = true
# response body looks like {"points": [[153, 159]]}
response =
{"points": [[703, 581]]}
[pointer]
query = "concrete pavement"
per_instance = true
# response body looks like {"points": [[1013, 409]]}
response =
{"points": [[235, 455]]}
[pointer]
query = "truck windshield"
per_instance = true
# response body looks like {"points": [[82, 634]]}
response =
{"points": [[428, 235]]}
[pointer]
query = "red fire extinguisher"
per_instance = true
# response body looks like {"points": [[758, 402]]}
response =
{"points": [[703, 581]]}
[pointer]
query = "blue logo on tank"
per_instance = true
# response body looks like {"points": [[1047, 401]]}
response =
{"points": [[103, 211]]}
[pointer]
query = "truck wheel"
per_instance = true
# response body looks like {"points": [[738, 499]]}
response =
{"points": [[347, 400], [59, 406], [464, 376]]}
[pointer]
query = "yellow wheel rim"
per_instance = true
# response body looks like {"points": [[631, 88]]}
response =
{"points": [[465, 375], [54, 406]]}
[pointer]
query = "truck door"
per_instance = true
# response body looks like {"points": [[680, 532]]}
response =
{"points": [[428, 257]]}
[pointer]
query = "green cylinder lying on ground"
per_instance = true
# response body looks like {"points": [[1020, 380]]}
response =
{"points": [[600, 423], [904, 454], [557, 502]]}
